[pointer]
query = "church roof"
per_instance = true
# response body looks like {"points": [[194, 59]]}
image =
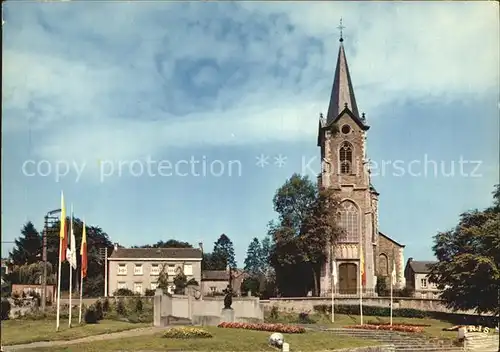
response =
{"points": [[390, 239], [342, 94]]}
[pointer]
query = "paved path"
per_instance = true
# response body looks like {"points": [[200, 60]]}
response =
{"points": [[115, 335]]}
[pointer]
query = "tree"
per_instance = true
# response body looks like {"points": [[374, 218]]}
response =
{"points": [[265, 254], [307, 223], [169, 244], [468, 268], [28, 250], [223, 254], [180, 282], [28, 247], [206, 263], [253, 261], [162, 281]]}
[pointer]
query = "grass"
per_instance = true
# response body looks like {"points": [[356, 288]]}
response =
{"points": [[21, 331], [222, 340], [435, 330]]}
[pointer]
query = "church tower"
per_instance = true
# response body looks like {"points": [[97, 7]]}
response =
{"points": [[342, 140]]}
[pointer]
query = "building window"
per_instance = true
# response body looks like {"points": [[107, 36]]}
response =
{"points": [[138, 269], [155, 269], [383, 265], [423, 283], [154, 285], [345, 157], [213, 289], [423, 295], [138, 287], [122, 285], [122, 269], [188, 269], [171, 270], [349, 220]]}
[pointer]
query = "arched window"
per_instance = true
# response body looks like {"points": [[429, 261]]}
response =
{"points": [[345, 157], [383, 265], [349, 220]]}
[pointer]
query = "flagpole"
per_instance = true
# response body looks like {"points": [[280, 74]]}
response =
{"points": [[333, 284], [391, 300], [59, 285], [71, 268], [81, 299], [361, 285]]}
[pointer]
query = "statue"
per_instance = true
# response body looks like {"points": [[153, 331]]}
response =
{"points": [[228, 298]]}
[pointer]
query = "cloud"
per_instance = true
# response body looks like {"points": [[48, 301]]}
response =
{"points": [[123, 80]]}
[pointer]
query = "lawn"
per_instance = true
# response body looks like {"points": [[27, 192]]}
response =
{"points": [[222, 340], [22, 331]]}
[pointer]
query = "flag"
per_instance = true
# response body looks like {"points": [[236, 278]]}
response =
{"points": [[393, 274], [334, 272], [362, 267], [83, 252], [71, 252], [63, 233]]}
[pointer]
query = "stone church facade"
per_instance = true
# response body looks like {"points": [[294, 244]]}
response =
{"points": [[342, 138]]}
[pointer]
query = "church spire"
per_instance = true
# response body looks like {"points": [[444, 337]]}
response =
{"points": [[342, 91]]}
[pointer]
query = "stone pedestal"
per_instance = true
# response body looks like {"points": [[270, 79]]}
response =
{"points": [[227, 315]]}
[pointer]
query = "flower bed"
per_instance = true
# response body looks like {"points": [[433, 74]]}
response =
{"points": [[286, 329], [186, 333], [394, 327]]}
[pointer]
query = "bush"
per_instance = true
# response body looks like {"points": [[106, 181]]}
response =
{"points": [[134, 318], [381, 287], [149, 292], [120, 307], [123, 292], [138, 306], [90, 316], [186, 333], [105, 305], [98, 310], [5, 309], [274, 314], [305, 319]]}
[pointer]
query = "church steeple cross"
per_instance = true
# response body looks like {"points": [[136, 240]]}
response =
{"points": [[340, 28]]}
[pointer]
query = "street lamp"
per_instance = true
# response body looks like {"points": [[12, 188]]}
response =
{"points": [[49, 217]]}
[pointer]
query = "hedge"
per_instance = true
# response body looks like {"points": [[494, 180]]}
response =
{"points": [[454, 318]]}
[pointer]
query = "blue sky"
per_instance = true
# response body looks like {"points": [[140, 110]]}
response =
{"points": [[96, 84]]}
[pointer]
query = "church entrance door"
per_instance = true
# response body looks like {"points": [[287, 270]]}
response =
{"points": [[348, 279]]}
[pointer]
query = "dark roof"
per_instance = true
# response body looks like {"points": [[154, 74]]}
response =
{"points": [[215, 275], [421, 267], [167, 253], [390, 239]]}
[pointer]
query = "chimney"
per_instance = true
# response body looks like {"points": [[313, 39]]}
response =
{"points": [[200, 244], [116, 245], [410, 260]]}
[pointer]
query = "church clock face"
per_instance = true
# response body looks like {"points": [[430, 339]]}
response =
{"points": [[346, 129]]}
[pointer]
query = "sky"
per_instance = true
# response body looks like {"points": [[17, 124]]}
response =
{"points": [[152, 117]]}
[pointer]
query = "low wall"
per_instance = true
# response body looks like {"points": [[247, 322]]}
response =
{"points": [[306, 304], [186, 306]]}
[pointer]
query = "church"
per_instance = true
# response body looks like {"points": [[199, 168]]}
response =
{"points": [[342, 137]]}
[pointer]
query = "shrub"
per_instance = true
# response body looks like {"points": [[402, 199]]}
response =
{"points": [[186, 333], [149, 292], [134, 318], [274, 314], [90, 316], [138, 305], [286, 329], [304, 318], [5, 309], [105, 305], [381, 287], [98, 310], [123, 292], [120, 307]]}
